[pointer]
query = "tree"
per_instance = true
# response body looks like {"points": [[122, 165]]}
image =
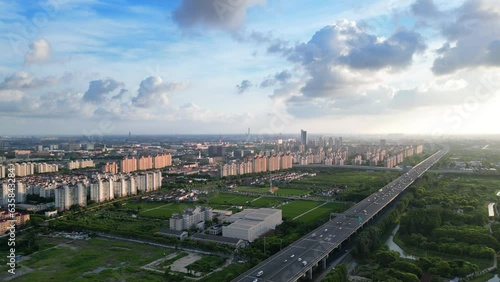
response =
{"points": [[215, 220], [384, 258]]}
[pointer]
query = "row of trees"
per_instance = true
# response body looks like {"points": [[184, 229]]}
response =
{"points": [[392, 266], [368, 240], [338, 274]]}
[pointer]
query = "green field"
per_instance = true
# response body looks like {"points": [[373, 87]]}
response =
{"points": [[231, 199], [97, 259], [266, 202], [295, 208], [280, 192], [206, 264], [143, 205], [166, 210], [221, 201], [323, 212], [352, 179]]}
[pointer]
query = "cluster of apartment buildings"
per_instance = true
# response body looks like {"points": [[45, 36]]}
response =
{"points": [[77, 164], [256, 164], [28, 168], [393, 156], [68, 190], [105, 187], [329, 157], [359, 155], [131, 164]]}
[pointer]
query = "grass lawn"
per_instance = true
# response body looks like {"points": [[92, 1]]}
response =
{"points": [[97, 259], [323, 212], [295, 208], [281, 192], [266, 202], [206, 264], [231, 199], [353, 179], [291, 192], [166, 210], [143, 205], [228, 273]]}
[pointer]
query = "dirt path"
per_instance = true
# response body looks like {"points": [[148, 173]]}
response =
{"points": [[309, 210]]}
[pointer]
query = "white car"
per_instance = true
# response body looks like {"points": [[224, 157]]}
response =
{"points": [[300, 259], [292, 256]]}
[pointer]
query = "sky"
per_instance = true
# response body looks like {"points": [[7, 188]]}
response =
{"points": [[274, 66]]}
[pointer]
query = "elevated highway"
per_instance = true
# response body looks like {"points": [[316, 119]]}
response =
{"points": [[311, 252]]}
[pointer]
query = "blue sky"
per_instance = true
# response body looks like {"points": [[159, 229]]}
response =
{"points": [[276, 66]]}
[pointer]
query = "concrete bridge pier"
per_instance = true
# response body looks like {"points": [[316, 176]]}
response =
{"points": [[310, 274], [324, 263]]}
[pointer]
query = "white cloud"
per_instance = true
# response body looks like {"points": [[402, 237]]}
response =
{"points": [[25, 80], [99, 90], [39, 52], [155, 90]]}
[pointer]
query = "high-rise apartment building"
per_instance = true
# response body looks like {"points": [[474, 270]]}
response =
{"points": [[162, 160], [68, 195], [128, 165], [20, 192], [144, 163], [111, 167]]}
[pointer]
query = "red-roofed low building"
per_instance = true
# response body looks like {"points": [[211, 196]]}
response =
{"points": [[5, 220]]}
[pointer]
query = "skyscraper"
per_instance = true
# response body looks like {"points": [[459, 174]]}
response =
{"points": [[303, 137]]}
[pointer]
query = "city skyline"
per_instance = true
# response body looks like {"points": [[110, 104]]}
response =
{"points": [[197, 67]]}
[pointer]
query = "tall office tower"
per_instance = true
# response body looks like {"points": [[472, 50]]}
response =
{"points": [[216, 151], [303, 137]]}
